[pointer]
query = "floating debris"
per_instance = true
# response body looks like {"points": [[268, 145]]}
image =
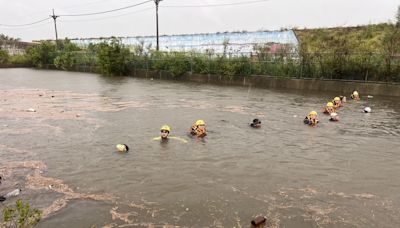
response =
{"points": [[37, 182], [258, 221], [15, 192]]}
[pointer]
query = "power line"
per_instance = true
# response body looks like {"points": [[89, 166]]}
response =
{"points": [[74, 6], [215, 5], [102, 12], [80, 5], [30, 27], [111, 17], [21, 25]]}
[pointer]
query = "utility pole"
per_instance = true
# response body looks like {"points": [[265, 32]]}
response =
{"points": [[55, 24], [157, 2]]}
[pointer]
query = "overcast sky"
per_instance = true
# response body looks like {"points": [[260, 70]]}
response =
{"points": [[140, 20]]}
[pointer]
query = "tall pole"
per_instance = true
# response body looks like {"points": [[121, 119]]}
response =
{"points": [[157, 2], [55, 24]]}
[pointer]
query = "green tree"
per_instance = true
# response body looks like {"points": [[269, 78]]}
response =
{"points": [[178, 64], [66, 55], [43, 54], [391, 42], [20, 216], [65, 61], [113, 57]]}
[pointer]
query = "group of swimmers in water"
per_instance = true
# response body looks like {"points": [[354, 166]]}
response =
{"points": [[198, 129], [331, 109]]}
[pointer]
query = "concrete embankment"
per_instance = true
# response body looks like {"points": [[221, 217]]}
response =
{"points": [[262, 81]]}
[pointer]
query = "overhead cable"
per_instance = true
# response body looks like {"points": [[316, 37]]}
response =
{"points": [[214, 5], [111, 17], [102, 12], [27, 24]]}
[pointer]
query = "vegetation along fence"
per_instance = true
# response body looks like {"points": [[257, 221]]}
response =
{"points": [[114, 58]]}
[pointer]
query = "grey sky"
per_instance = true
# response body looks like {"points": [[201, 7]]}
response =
{"points": [[269, 15]]}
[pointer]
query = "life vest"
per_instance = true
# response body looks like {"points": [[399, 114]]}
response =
{"points": [[198, 131], [337, 105], [328, 110], [309, 121]]}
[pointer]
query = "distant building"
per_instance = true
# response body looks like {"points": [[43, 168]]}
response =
{"points": [[15, 47], [233, 42]]}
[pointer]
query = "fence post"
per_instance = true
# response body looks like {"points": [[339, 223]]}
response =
{"points": [[134, 69], [251, 63], [191, 64], [301, 66], [209, 64], [147, 67]]}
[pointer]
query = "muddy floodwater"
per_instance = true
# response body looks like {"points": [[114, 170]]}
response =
{"points": [[58, 132]]}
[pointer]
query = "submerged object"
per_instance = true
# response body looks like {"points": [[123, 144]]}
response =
{"points": [[16, 192], [367, 110], [2, 198], [256, 123], [259, 220], [122, 147], [334, 117]]}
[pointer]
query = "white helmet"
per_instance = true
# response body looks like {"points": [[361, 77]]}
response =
{"points": [[333, 114], [367, 110]]}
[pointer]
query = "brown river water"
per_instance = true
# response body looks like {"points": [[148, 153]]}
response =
{"points": [[63, 157]]}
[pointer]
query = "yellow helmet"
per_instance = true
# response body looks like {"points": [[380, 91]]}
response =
{"points": [[329, 104], [122, 147], [336, 99], [200, 122], [166, 128], [355, 93], [313, 113]]}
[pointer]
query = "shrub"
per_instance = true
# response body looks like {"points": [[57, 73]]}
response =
{"points": [[42, 54], [178, 64], [4, 57], [65, 61], [21, 216], [113, 57], [20, 59], [201, 65]]}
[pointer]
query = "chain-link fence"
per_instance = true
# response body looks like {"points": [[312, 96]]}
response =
{"points": [[343, 66], [356, 66]]}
